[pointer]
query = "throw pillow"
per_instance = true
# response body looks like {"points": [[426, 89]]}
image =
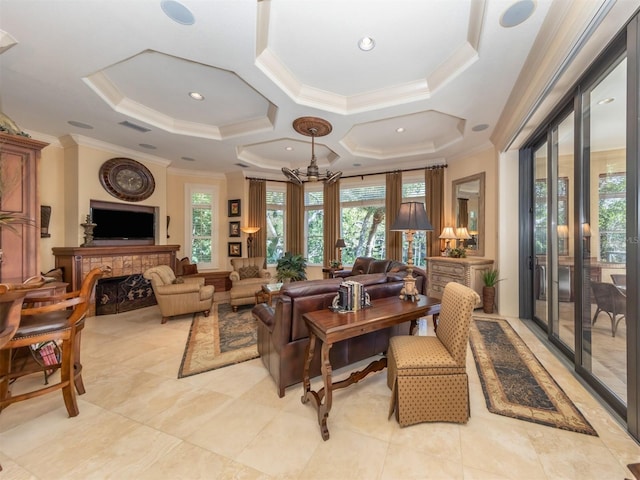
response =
{"points": [[191, 269], [178, 280], [248, 272]]}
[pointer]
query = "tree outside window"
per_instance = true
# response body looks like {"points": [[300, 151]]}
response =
{"points": [[314, 227], [612, 217], [202, 244]]}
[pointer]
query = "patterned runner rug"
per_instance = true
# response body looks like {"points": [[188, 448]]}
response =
{"points": [[221, 339], [514, 382]]}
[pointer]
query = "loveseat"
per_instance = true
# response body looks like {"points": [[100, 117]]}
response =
{"points": [[283, 334]]}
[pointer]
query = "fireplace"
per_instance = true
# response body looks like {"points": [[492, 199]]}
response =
{"points": [[122, 294]]}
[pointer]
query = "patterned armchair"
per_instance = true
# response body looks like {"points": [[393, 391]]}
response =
{"points": [[179, 296], [247, 278], [428, 375]]}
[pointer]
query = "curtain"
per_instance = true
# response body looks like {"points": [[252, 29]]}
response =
{"points": [[294, 215], [257, 216], [392, 205], [331, 220], [434, 204]]}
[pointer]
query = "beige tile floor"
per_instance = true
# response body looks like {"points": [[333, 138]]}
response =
{"points": [[138, 421]]}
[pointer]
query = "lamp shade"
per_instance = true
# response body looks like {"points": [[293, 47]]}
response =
{"points": [[448, 234], [563, 231], [340, 243], [462, 233], [411, 216], [250, 230]]}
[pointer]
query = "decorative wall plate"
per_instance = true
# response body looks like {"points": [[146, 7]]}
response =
{"points": [[127, 179]]}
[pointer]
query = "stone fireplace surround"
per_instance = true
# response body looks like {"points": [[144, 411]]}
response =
{"points": [[123, 260]]}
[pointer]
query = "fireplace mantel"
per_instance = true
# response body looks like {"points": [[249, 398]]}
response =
{"points": [[123, 260]]}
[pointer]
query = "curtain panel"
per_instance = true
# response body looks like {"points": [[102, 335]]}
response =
{"points": [[434, 193], [294, 215], [331, 220], [257, 216], [392, 205]]}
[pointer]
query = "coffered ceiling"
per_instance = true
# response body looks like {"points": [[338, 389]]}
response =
{"points": [[431, 90]]}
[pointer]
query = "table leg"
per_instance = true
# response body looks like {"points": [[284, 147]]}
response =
{"points": [[324, 408], [306, 382]]}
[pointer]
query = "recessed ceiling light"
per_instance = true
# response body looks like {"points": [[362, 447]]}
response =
{"points": [[400, 130], [517, 13], [147, 145], [188, 159], [80, 124], [288, 149], [604, 101], [366, 43], [196, 96], [480, 127], [177, 12]]}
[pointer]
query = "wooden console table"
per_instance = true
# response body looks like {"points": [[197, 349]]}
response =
{"points": [[331, 327]]}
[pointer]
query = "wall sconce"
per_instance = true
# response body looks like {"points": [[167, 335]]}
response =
{"points": [[339, 246], [411, 218], [447, 234], [250, 231]]}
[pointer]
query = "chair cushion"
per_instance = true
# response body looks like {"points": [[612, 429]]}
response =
{"points": [[248, 272], [422, 356]]}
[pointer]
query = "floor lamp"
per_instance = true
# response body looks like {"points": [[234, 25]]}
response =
{"points": [[250, 231], [411, 218]]}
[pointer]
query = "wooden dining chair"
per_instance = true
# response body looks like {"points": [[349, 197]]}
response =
{"points": [[58, 320]]}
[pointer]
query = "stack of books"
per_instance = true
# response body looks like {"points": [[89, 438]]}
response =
{"points": [[352, 296]]}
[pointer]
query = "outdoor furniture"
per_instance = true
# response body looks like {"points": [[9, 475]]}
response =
{"points": [[611, 301], [179, 296], [428, 375], [247, 278]]}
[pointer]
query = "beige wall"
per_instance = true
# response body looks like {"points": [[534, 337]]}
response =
{"points": [[484, 161]]}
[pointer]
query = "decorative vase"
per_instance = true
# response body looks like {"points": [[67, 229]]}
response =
{"points": [[488, 299]]}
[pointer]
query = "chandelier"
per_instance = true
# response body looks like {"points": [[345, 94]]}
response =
{"points": [[312, 127]]}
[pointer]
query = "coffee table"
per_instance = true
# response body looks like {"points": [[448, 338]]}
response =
{"points": [[331, 327]]}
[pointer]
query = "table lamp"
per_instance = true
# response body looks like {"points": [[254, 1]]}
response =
{"points": [[250, 231], [463, 235], [411, 218], [339, 246], [447, 234]]}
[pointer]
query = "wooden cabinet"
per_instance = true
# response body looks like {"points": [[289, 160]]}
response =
{"points": [[19, 158], [467, 271]]}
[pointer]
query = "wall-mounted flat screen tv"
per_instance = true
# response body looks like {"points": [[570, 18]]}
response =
{"points": [[121, 222]]}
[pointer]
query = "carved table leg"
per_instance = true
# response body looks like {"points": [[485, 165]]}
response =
{"points": [[306, 383], [324, 408]]}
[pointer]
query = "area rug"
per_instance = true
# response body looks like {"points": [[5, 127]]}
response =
{"points": [[514, 382], [221, 339]]}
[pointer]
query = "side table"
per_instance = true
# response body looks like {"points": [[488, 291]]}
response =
{"points": [[267, 292], [329, 272]]}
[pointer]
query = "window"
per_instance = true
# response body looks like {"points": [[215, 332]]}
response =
{"points": [[363, 219], [612, 218], [202, 202], [276, 194], [313, 220], [413, 190]]}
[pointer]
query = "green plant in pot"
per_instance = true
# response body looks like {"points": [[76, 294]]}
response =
{"points": [[291, 268], [490, 278]]}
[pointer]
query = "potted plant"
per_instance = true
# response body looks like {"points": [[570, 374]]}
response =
{"points": [[490, 280], [291, 268]]}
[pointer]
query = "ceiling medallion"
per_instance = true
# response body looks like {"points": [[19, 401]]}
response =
{"points": [[311, 127]]}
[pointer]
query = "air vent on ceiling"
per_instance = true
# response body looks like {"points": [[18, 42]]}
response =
{"points": [[139, 128], [243, 165]]}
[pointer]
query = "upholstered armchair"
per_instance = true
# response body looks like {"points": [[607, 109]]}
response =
{"points": [[427, 374], [247, 278], [177, 297]]}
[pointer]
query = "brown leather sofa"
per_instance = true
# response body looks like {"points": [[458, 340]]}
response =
{"points": [[283, 334], [364, 265]]}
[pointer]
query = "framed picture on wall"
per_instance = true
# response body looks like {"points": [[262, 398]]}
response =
{"points": [[234, 208], [235, 249], [234, 229]]}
